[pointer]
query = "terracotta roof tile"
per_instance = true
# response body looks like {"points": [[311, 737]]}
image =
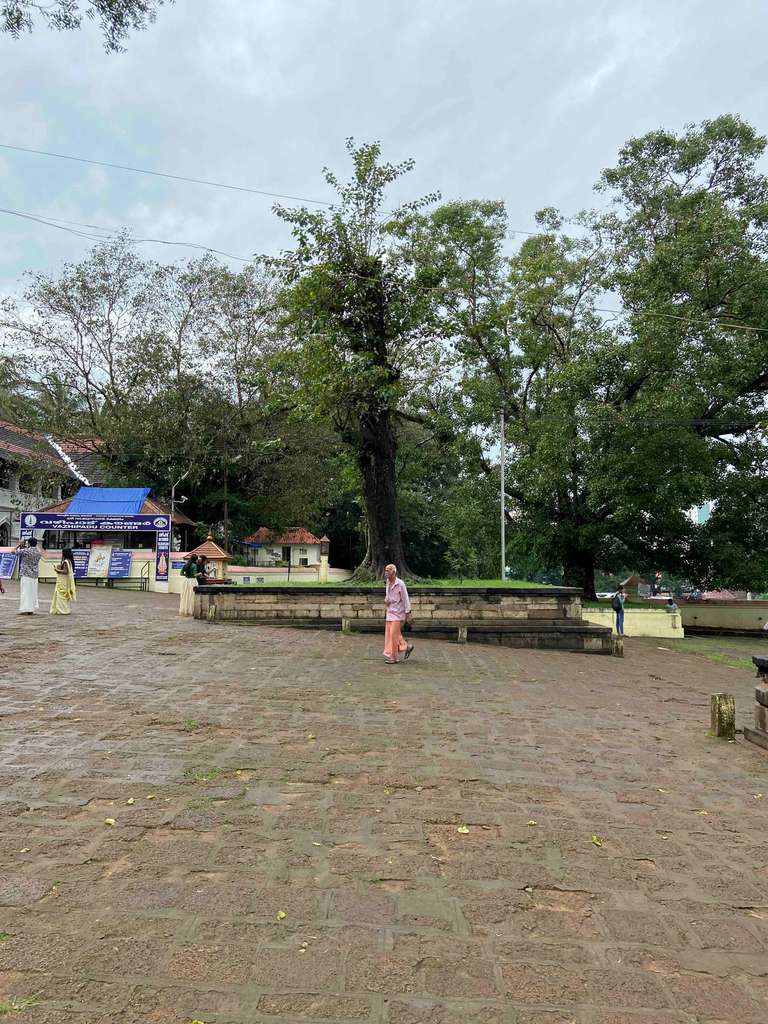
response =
{"points": [[293, 535], [211, 550]]}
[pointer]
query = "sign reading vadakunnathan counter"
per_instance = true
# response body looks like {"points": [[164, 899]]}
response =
{"points": [[159, 524]]}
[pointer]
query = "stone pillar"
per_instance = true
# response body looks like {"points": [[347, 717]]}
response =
{"points": [[723, 715], [325, 550]]}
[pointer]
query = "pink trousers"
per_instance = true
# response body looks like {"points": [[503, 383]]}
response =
{"points": [[394, 642]]}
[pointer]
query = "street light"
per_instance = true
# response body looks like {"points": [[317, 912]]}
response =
{"points": [[173, 495], [502, 500]]}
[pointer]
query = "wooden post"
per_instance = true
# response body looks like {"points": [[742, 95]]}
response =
{"points": [[461, 635], [723, 715], [617, 646]]}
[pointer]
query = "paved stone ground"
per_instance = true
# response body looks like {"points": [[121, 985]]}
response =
{"points": [[290, 840]]}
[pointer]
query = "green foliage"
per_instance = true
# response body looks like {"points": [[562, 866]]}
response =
{"points": [[355, 385], [166, 366], [117, 18], [17, 1004], [617, 425], [359, 352]]}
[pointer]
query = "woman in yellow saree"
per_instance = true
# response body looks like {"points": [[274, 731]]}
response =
{"points": [[64, 593]]}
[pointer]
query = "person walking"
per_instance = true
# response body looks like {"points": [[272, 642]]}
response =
{"points": [[29, 571], [190, 573], [64, 592], [617, 603], [398, 606]]}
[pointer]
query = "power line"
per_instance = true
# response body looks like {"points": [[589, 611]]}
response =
{"points": [[165, 174], [61, 225]]}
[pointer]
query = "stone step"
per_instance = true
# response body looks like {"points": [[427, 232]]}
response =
{"points": [[756, 736], [564, 635]]}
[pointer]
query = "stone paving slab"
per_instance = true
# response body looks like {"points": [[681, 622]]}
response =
{"points": [[302, 834]]}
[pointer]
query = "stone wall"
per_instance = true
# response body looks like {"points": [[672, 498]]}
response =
{"points": [[326, 605], [734, 616], [640, 621]]}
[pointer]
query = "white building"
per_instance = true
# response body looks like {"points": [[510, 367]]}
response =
{"points": [[295, 547]]}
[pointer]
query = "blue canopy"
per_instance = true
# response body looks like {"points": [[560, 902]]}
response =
{"points": [[100, 501]]}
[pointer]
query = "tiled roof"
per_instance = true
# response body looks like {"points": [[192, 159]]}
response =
{"points": [[31, 445], [294, 535], [211, 550], [27, 445]]}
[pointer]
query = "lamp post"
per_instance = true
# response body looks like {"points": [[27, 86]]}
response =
{"points": [[227, 462], [502, 500], [173, 497]]}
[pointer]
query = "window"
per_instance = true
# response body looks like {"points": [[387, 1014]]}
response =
{"points": [[302, 551], [303, 561]]}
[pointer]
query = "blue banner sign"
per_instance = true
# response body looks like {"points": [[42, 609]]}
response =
{"points": [[163, 552], [120, 564], [159, 524], [7, 565], [94, 523], [81, 557]]}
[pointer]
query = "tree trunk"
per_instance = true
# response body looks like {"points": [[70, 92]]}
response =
{"points": [[376, 459], [579, 571]]}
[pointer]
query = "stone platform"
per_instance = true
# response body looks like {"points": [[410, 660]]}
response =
{"points": [[533, 617]]}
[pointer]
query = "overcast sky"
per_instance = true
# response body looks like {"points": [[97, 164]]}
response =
{"points": [[523, 100]]}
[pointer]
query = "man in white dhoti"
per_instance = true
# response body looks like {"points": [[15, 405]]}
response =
{"points": [[29, 569]]}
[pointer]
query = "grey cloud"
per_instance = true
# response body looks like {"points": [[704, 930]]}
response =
{"points": [[525, 101]]}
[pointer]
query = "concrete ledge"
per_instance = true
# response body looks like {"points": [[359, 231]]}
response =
{"points": [[331, 590], [651, 621], [756, 736], [521, 617]]}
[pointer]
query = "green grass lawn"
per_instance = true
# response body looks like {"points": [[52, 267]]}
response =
{"points": [[735, 651]]}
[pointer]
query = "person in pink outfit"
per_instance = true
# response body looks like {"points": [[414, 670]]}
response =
{"points": [[398, 606]]}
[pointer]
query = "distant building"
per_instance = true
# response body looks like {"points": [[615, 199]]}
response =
{"points": [[82, 539], [295, 546], [37, 470]]}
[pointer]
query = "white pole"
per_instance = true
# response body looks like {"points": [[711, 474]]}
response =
{"points": [[503, 510]]}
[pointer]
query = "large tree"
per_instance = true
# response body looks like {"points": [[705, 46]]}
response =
{"points": [[116, 18], [361, 351], [618, 423], [162, 367]]}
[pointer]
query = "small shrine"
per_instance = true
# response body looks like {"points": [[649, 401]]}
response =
{"points": [[216, 556]]}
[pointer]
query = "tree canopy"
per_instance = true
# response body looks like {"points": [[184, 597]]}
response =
{"points": [[116, 18], [358, 379]]}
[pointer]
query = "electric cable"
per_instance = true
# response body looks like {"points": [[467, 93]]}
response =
{"points": [[165, 174]]}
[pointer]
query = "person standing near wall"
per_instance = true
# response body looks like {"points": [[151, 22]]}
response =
{"points": [[398, 606], [617, 603], [190, 573], [64, 592], [29, 571]]}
